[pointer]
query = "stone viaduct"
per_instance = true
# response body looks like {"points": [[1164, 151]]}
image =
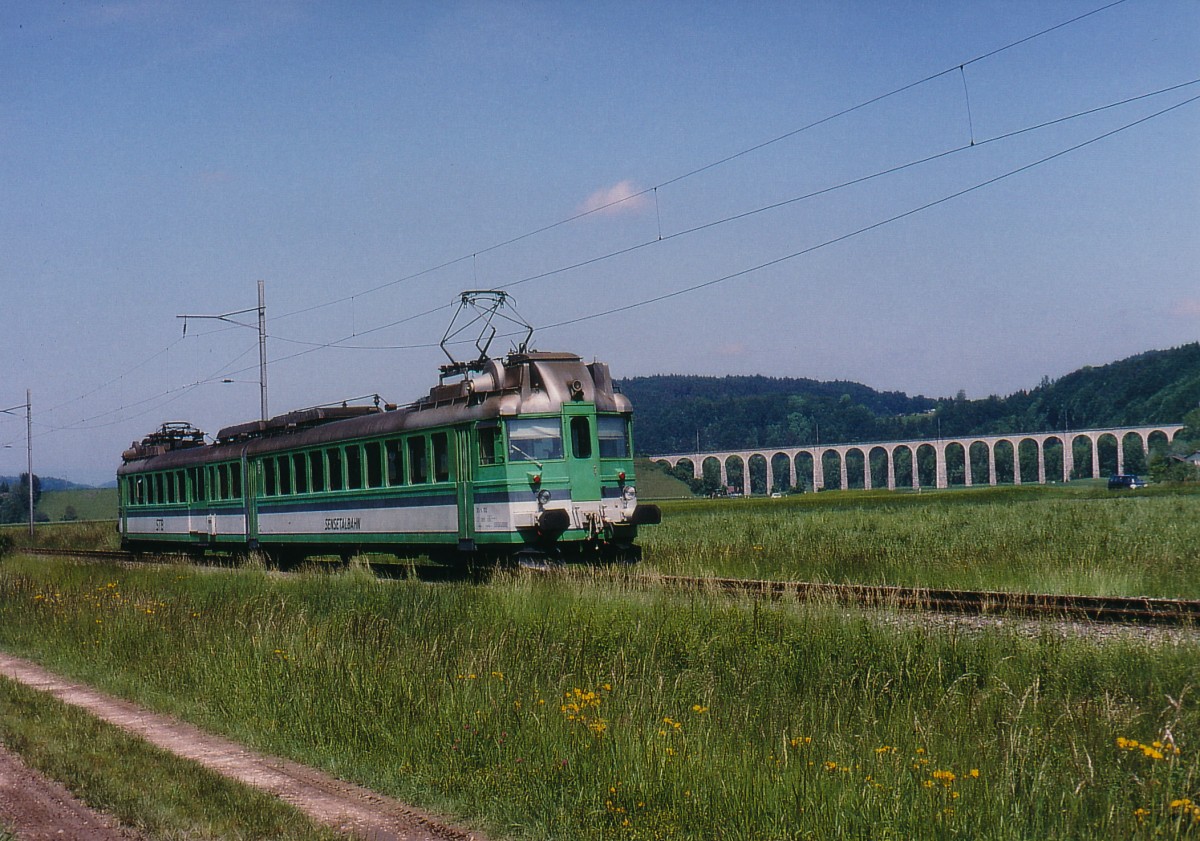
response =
{"points": [[962, 450]]}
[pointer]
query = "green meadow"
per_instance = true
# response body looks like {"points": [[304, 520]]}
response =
{"points": [[1079, 539], [79, 504], [579, 705]]}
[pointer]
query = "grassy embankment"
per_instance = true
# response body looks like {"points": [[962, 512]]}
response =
{"points": [[654, 482], [573, 707]]}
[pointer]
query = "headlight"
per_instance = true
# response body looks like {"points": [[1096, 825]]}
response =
{"points": [[543, 496], [630, 493]]}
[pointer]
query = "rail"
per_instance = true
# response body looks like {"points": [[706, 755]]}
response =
{"points": [[1112, 609]]}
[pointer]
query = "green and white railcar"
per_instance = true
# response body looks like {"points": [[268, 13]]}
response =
{"points": [[530, 457]]}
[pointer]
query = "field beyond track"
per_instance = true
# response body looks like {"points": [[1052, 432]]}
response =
{"points": [[1076, 539], [572, 706]]}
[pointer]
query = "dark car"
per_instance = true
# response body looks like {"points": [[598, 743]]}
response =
{"points": [[1123, 481]]}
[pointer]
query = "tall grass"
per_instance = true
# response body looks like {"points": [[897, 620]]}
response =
{"points": [[92, 534], [1030, 540], [574, 708]]}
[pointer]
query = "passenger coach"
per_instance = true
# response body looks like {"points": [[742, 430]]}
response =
{"points": [[529, 458]]}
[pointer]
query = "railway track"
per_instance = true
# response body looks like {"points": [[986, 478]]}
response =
{"points": [[1113, 609], [92, 554]]}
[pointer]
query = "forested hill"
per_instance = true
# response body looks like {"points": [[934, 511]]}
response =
{"points": [[734, 412]]}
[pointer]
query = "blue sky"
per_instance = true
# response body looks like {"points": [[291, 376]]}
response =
{"points": [[160, 158]]}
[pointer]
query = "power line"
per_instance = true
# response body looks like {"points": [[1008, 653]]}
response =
{"points": [[712, 165], [313, 347], [177, 392], [842, 238], [735, 217]]}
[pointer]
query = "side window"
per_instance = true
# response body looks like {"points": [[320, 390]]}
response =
{"points": [[374, 465], [300, 465], [268, 470], [223, 479], [316, 469], [441, 457], [418, 461], [138, 494], [335, 469], [285, 475], [171, 487], [354, 479], [395, 474], [235, 480], [581, 438], [158, 489], [489, 443]]}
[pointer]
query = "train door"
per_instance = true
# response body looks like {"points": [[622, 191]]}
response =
{"points": [[250, 498], [583, 462], [464, 475], [123, 504], [214, 494], [198, 504]]}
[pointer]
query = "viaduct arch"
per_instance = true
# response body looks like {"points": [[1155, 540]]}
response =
{"points": [[1003, 455]]}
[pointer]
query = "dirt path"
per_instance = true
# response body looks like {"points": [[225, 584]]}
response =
{"points": [[39, 809], [327, 800]]}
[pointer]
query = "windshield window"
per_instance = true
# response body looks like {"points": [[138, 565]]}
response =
{"points": [[613, 433], [534, 439]]}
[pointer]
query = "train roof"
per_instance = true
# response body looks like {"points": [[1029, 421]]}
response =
{"points": [[522, 383]]}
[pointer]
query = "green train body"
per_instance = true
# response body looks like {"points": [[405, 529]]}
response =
{"points": [[530, 458]]}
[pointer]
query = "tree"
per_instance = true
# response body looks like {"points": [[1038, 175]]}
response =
{"points": [[14, 505]]}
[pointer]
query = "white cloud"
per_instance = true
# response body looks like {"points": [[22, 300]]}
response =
{"points": [[622, 197], [1187, 308]]}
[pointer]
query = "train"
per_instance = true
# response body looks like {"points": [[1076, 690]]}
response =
{"points": [[526, 458]]}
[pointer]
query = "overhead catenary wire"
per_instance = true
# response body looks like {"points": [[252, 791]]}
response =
{"points": [[312, 347], [662, 238], [741, 153], [873, 226], [340, 343], [173, 393], [862, 230]]}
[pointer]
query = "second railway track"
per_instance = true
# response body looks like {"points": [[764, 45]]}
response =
{"points": [[1112, 609]]}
